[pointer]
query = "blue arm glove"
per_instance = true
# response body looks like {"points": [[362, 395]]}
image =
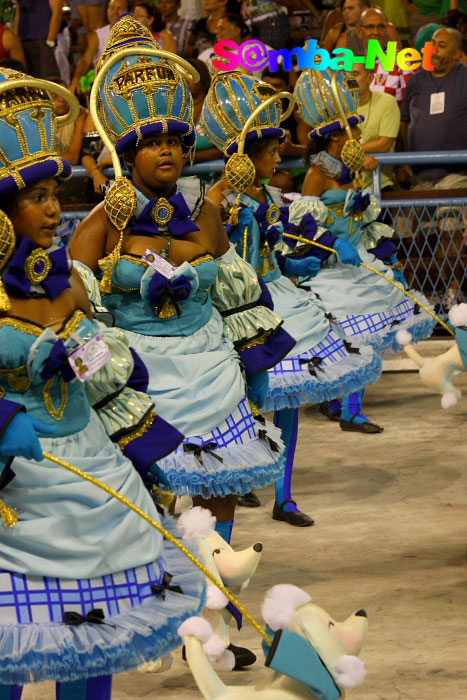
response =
{"points": [[20, 438], [257, 387], [307, 267], [347, 252]]}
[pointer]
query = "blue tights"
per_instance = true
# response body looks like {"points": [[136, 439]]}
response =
{"points": [[287, 421]]}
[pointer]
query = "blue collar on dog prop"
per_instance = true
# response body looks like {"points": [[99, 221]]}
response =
{"points": [[292, 655]]}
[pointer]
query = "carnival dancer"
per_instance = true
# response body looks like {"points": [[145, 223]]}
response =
{"points": [[84, 581], [321, 366], [168, 270], [368, 309]]}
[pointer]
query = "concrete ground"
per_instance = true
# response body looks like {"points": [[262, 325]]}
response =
{"points": [[390, 536]]}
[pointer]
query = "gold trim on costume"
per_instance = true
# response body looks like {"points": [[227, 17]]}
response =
{"points": [[56, 413], [139, 432]]}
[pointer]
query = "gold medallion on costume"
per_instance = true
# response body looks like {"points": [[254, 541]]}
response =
{"points": [[37, 266], [162, 211]]}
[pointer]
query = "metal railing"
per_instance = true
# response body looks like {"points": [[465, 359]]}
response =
{"points": [[431, 232]]}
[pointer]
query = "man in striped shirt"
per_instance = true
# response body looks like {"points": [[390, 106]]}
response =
{"points": [[374, 25]]}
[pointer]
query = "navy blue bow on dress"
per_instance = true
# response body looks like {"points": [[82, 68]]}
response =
{"points": [[162, 290], [179, 223], [16, 280], [360, 202], [306, 229]]}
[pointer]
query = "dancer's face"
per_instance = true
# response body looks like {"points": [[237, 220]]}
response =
{"points": [[36, 212], [267, 160], [157, 163]]}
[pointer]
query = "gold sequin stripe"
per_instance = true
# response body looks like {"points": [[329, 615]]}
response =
{"points": [[168, 536], [135, 434], [380, 274]]}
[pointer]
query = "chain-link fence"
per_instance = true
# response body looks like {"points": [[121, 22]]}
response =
{"points": [[431, 232]]}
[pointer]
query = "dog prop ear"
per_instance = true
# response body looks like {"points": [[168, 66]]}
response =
{"points": [[280, 604]]}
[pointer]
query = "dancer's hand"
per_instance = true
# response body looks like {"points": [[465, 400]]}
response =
{"points": [[307, 267], [347, 252], [20, 438]]}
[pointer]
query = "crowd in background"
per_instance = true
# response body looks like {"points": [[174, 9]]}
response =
{"points": [[404, 110]]}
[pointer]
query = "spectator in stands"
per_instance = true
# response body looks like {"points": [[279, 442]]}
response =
{"points": [[340, 27], [434, 114], [68, 138], [91, 158], [98, 41], [91, 13], [205, 151], [149, 15], [380, 128], [373, 25], [203, 33], [10, 46], [422, 12], [232, 27], [180, 28], [38, 23]]}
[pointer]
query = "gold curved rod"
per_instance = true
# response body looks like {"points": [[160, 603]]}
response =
{"points": [[340, 111], [36, 83], [377, 272], [187, 71], [129, 504], [259, 109]]}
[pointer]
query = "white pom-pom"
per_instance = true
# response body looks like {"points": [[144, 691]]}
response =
{"points": [[403, 337], [458, 315], [225, 663], [280, 604], [350, 672], [214, 647], [196, 627], [215, 599], [449, 400], [197, 523]]}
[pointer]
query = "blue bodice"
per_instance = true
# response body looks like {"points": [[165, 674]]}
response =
{"points": [[25, 347], [341, 221], [134, 313]]}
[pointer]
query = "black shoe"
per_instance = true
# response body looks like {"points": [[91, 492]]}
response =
{"points": [[296, 519], [368, 427], [330, 415], [249, 500], [243, 656]]}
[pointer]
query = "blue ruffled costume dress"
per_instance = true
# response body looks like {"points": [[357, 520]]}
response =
{"points": [[75, 548], [195, 377], [320, 367], [367, 308]]}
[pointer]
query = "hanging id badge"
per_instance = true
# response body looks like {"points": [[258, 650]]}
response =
{"points": [[437, 103], [158, 263], [91, 354]]}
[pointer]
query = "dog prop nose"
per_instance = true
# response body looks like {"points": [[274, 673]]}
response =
{"points": [[361, 613], [258, 547]]}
